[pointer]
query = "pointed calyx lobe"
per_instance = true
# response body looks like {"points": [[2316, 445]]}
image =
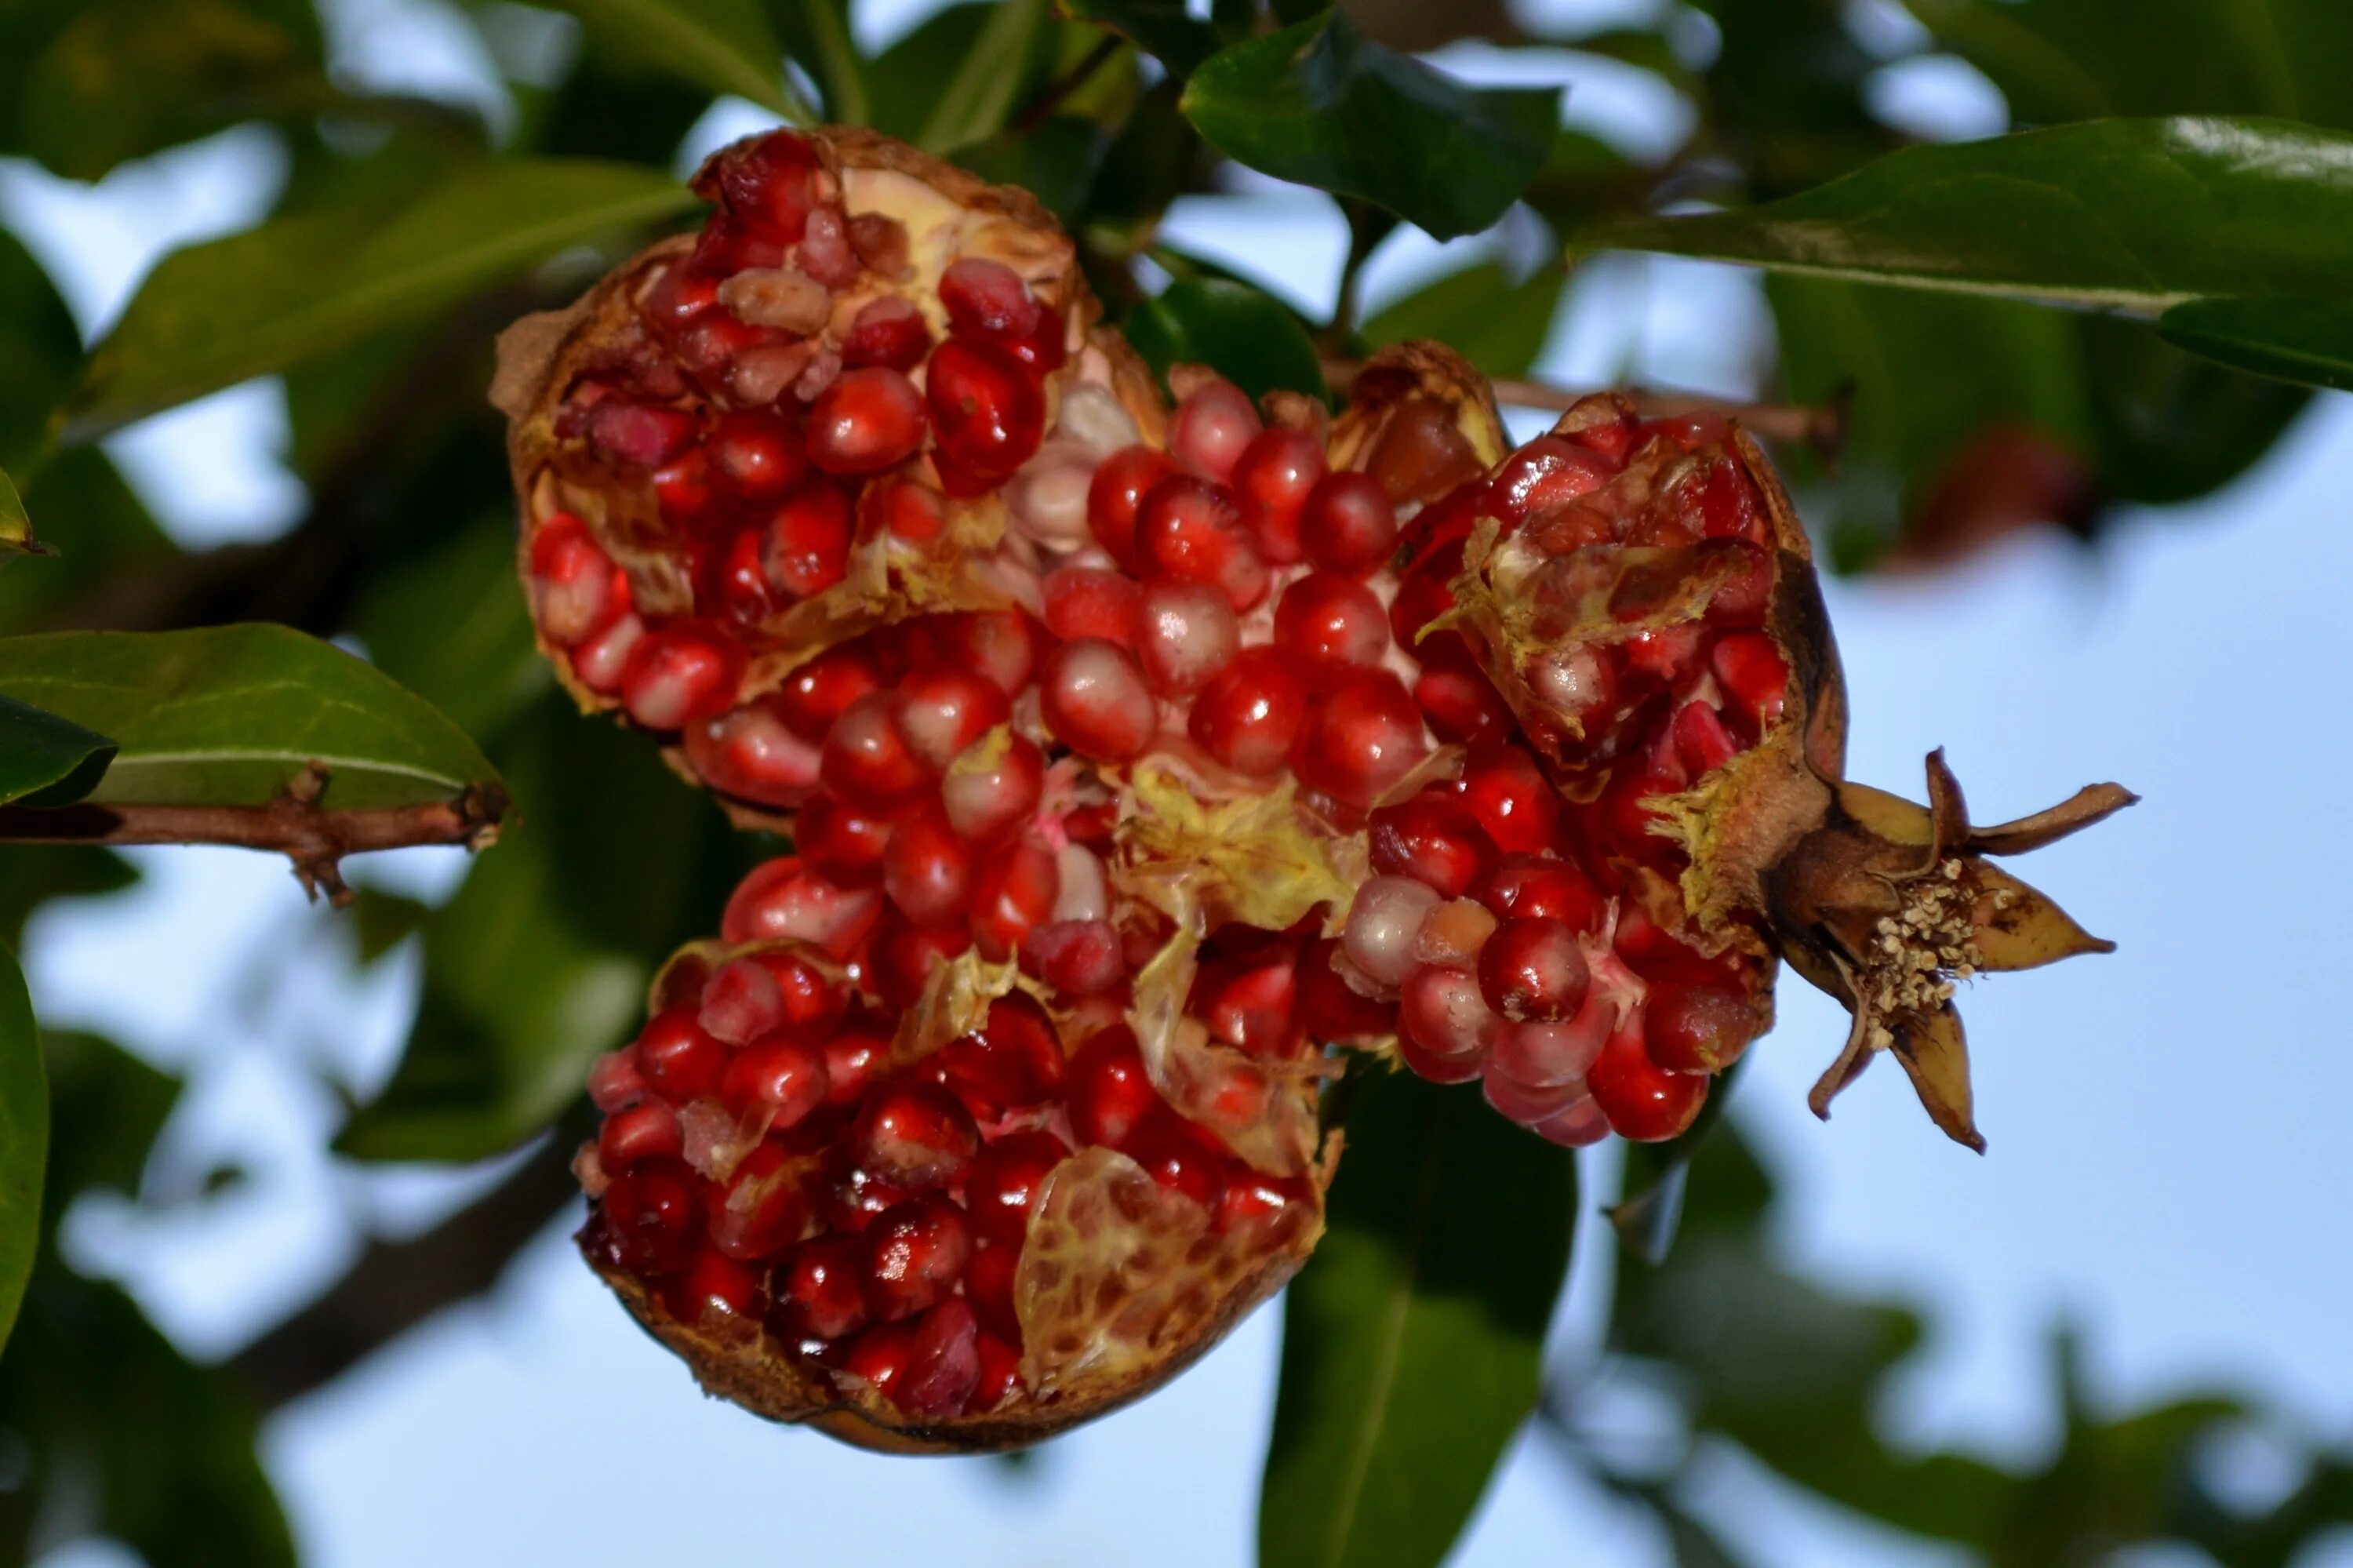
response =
{"points": [[1137, 753]]}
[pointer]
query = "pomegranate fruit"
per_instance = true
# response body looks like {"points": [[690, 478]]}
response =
{"points": [[1136, 758]]}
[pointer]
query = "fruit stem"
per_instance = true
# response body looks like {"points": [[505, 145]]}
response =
{"points": [[293, 824]]}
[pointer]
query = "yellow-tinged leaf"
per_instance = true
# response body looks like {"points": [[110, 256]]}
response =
{"points": [[2020, 928], [15, 529], [1936, 1056]]}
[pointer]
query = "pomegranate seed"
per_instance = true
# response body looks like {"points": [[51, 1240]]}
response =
{"points": [[767, 184], [943, 1362], [1329, 1009], [1348, 525], [1252, 1199], [1702, 741], [880, 1356], [1751, 672], [1012, 895], [988, 415], [805, 549], [1000, 1373], [1048, 499], [652, 1216], [1116, 494], [989, 788], [1666, 654], [639, 436], [779, 1080], [750, 753], [1109, 1092], [1382, 923], [1013, 1062], [1698, 1028], [740, 1000], [1364, 738], [819, 1290], [755, 456], [782, 900], [1507, 792], [1453, 933], [714, 1283], [646, 1131], [987, 300], [868, 419], [1461, 703], [1332, 628], [1530, 1104], [1435, 839], [855, 1197], [678, 1059], [1249, 713], [1091, 601], [927, 871], [888, 333], [1187, 529], [867, 757], [1533, 970], [814, 695], [915, 1134], [615, 1083], [760, 1211], [1543, 477], [1186, 634], [1577, 686], [602, 662], [941, 711], [1252, 1007], [1551, 1055], [1271, 480], [1642, 1100], [1001, 1188], [1575, 1125], [1210, 428], [1531, 888], [904, 956], [1440, 1010], [681, 674], [1078, 958], [916, 1252], [1005, 645], [1171, 1156], [989, 1285], [1095, 701], [572, 580], [854, 1059], [683, 488]]}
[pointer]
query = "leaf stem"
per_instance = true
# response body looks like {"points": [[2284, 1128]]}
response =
{"points": [[1821, 427], [294, 825]]}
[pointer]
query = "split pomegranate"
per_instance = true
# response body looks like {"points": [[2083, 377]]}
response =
{"points": [[1135, 759]]}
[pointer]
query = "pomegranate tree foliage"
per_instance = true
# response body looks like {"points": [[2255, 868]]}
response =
{"points": [[2178, 168]]}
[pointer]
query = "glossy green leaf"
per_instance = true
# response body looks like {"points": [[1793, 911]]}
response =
{"points": [[539, 963], [724, 46], [977, 99], [2167, 425], [24, 1139], [216, 315], [229, 714], [824, 26], [1245, 335], [127, 78], [1411, 1343], [904, 83], [449, 623], [1056, 161], [42, 349], [1480, 313], [46, 760], [109, 540], [1162, 28], [1321, 105], [2136, 215], [2292, 340]]}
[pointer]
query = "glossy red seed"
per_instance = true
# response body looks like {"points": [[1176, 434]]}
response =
{"points": [[1187, 529], [805, 549], [927, 871], [681, 674], [1012, 895], [943, 1362], [678, 1059], [638, 435], [1544, 476], [1118, 489], [1507, 792], [652, 1215], [1252, 1199], [991, 787], [1434, 838], [1348, 525], [1362, 740], [904, 956], [1249, 713], [1012, 1062], [761, 1210], [868, 419], [751, 754], [785, 900], [572, 580], [1751, 673], [1091, 601], [1699, 1028], [1441, 1011], [815, 694], [1171, 1155], [915, 1134], [1642, 1100], [916, 1252], [714, 1283], [1210, 429], [1329, 1009], [642, 1132], [854, 1059], [1533, 888], [988, 413], [1000, 1373], [880, 1355], [1250, 1003], [867, 758], [988, 1279], [1109, 1092], [1077, 958], [1001, 1188], [777, 1081], [1331, 628], [819, 1290], [887, 331], [1094, 699], [1533, 970], [842, 843], [615, 1083], [755, 456], [1185, 634], [1271, 480]]}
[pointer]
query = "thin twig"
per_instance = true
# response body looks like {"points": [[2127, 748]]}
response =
{"points": [[1056, 93], [1822, 427], [396, 1284], [294, 825]]}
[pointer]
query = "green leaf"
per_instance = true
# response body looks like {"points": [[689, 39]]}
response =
{"points": [[218, 314], [449, 623], [825, 25], [1159, 27], [229, 714], [541, 962], [724, 46], [1495, 323], [975, 102], [24, 1139], [46, 760], [2136, 215], [1246, 336], [1412, 1342], [1056, 161], [127, 78], [15, 529], [1321, 105], [42, 349], [2168, 424], [109, 541], [2291, 340]]}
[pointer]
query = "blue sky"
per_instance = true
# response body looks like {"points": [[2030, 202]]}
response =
{"points": [[2165, 1149]]}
